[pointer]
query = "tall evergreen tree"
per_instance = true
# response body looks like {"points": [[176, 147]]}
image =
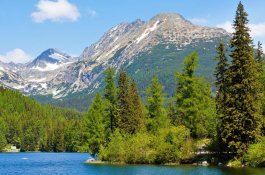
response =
{"points": [[130, 112], [138, 107], [221, 86], [2, 135], [94, 125], [110, 93], [261, 74], [156, 107], [195, 107], [124, 103], [241, 124], [221, 79], [259, 55]]}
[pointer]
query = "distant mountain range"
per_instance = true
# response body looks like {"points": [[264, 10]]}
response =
{"points": [[144, 49]]}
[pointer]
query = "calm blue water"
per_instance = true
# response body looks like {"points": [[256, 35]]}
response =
{"points": [[72, 164]]}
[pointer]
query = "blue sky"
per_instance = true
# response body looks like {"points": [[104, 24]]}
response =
{"points": [[32, 26]]}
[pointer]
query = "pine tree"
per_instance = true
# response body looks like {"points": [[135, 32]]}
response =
{"points": [[195, 107], [130, 112], [125, 105], [261, 75], [259, 55], [240, 125], [221, 86], [221, 80], [110, 93], [156, 109], [2, 134], [138, 108], [94, 124]]}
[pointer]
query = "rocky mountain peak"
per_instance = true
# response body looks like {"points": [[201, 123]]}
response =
{"points": [[57, 74], [169, 16], [49, 56]]}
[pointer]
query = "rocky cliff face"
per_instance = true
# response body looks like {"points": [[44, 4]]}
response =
{"points": [[138, 36], [127, 45]]}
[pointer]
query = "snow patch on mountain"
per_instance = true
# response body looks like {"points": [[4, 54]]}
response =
{"points": [[48, 67], [59, 75], [147, 32]]}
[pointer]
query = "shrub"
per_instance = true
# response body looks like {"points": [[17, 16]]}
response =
{"points": [[256, 154], [169, 145]]}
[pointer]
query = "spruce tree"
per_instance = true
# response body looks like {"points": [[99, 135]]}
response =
{"points": [[94, 125], [259, 55], [195, 107], [241, 124], [138, 108], [221, 86], [156, 107], [2, 134], [261, 75], [110, 94], [221, 79], [125, 118]]}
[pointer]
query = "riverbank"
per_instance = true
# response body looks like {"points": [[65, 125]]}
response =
{"points": [[200, 160], [72, 163]]}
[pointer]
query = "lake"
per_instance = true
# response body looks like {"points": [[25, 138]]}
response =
{"points": [[72, 164]]}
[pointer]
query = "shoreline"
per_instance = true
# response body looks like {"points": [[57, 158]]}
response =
{"points": [[99, 162]]}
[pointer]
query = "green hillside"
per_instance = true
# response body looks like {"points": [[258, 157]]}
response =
{"points": [[162, 60], [32, 126]]}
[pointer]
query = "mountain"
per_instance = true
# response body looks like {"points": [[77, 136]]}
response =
{"points": [[49, 60], [9, 78], [144, 49], [39, 77]]}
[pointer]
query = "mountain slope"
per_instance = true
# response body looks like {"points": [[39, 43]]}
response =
{"points": [[49, 60], [144, 49]]}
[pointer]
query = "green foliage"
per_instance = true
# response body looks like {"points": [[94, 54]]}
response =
{"points": [[115, 150], [140, 149], [110, 94], [259, 56], [255, 155], [221, 88], [95, 125], [124, 105], [155, 103], [195, 107], [2, 135], [261, 76], [169, 145], [221, 79], [130, 112], [240, 124], [35, 127], [234, 163], [173, 145], [73, 136], [163, 60], [138, 112]]}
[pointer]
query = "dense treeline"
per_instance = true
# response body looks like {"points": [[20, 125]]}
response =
{"points": [[121, 128], [31, 126], [126, 130], [240, 93]]}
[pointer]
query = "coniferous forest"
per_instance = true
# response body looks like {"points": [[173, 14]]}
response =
{"points": [[123, 127]]}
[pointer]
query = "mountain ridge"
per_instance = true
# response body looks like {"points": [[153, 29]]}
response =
{"points": [[56, 76]]}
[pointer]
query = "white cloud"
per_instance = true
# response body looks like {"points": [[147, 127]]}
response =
{"points": [[257, 30], [17, 56], [92, 13], [56, 11], [227, 26], [198, 20]]}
